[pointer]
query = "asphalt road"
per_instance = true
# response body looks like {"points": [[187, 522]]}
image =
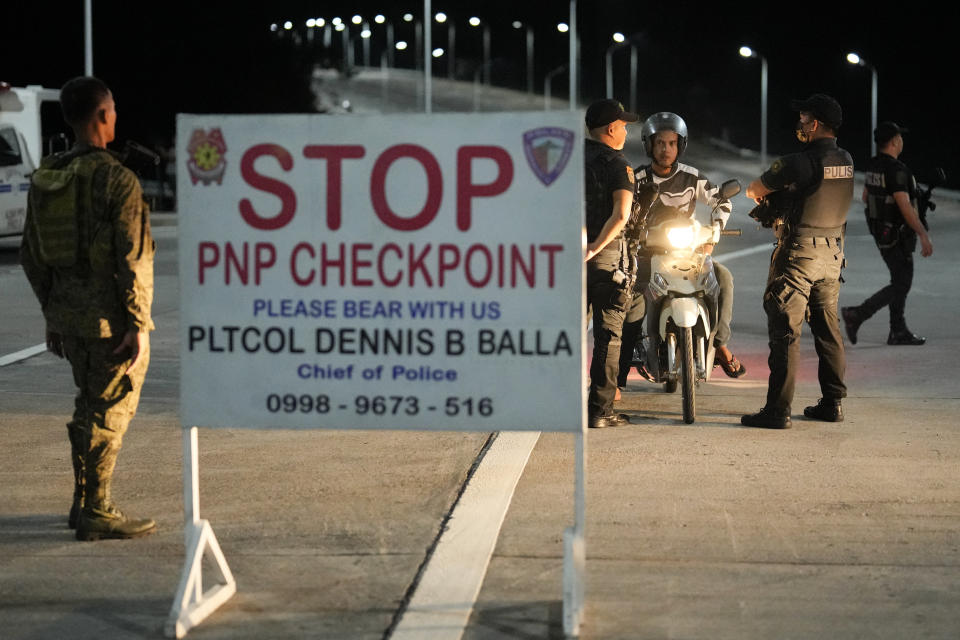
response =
{"points": [[709, 530]]}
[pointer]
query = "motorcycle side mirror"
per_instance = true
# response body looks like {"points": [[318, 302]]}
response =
{"points": [[729, 189]]}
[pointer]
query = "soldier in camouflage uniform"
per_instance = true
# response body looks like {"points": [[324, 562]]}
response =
{"points": [[88, 253]]}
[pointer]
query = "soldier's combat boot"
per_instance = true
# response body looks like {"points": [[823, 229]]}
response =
{"points": [[109, 522], [100, 518], [78, 448]]}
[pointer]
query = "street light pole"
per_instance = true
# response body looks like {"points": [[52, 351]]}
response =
{"points": [[573, 61], [873, 111], [486, 53], [547, 88], [854, 58], [366, 34], [452, 46], [485, 65], [747, 52], [88, 37], [529, 59], [427, 58], [620, 41]]}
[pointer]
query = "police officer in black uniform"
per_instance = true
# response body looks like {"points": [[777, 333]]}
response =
{"points": [[609, 199], [809, 193], [891, 197]]}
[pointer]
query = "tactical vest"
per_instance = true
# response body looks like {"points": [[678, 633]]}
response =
{"points": [[61, 202], [882, 209], [824, 209]]}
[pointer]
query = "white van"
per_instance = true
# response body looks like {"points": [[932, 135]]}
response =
{"points": [[22, 136]]}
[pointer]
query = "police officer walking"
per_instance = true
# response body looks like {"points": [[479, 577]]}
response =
{"points": [[88, 253], [810, 193], [609, 200], [891, 197]]}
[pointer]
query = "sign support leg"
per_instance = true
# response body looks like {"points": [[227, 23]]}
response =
{"points": [[574, 547], [191, 604]]}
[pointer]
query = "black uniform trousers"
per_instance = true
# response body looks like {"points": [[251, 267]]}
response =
{"points": [[899, 260], [633, 322], [609, 302], [804, 275]]}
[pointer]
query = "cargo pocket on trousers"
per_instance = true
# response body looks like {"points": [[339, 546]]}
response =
{"points": [[777, 297]]}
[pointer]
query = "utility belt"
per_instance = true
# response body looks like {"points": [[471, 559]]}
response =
{"points": [[816, 241], [815, 236]]}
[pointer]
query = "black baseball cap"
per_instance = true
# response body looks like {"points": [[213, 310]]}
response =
{"points": [[603, 112], [822, 107], [886, 131]]}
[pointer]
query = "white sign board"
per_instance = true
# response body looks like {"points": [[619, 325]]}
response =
{"points": [[382, 272]]}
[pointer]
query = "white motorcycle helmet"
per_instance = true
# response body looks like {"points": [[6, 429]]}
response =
{"points": [[664, 121]]}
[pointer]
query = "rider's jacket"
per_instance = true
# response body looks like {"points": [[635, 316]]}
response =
{"points": [[679, 193]]}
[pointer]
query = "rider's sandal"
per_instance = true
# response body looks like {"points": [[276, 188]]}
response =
{"points": [[732, 367]]}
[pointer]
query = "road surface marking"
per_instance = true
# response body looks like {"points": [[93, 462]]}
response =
{"points": [[23, 354], [440, 607], [733, 255]]}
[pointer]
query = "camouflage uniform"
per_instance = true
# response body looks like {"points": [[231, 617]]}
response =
{"points": [[91, 268]]}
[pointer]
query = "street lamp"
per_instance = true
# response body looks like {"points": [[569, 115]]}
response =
{"points": [[365, 34], [517, 25], [389, 45], [747, 52], [417, 40], [476, 22], [619, 40], [853, 58], [441, 18]]}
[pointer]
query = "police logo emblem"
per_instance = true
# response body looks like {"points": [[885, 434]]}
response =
{"points": [[630, 174], [205, 156], [548, 150], [776, 166]]}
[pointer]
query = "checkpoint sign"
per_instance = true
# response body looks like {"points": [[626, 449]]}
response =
{"points": [[382, 272]]}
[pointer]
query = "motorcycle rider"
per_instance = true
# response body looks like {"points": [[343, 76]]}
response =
{"points": [[679, 186]]}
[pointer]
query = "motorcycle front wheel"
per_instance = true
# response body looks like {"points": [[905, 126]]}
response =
{"points": [[688, 374]]}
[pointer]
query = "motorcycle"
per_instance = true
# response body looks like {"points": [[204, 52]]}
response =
{"points": [[682, 304]]}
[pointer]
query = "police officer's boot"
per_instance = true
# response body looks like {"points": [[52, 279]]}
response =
{"points": [[100, 518], [767, 418], [825, 410], [904, 336], [852, 322]]}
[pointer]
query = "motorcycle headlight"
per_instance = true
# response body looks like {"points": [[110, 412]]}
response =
{"points": [[680, 237]]}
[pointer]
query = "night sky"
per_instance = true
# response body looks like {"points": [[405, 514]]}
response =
{"points": [[161, 58]]}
